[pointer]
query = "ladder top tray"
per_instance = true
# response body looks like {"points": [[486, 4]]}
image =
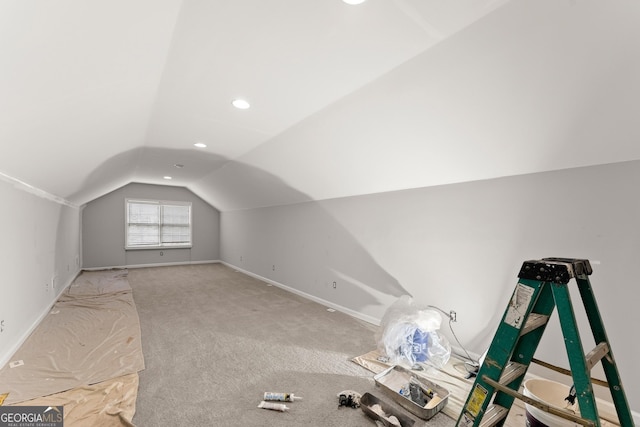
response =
{"points": [[558, 270]]}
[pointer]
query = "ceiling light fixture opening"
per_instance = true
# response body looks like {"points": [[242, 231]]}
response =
{"points": [[241, 104], [167, 177], [354, 2], [200, 145]]}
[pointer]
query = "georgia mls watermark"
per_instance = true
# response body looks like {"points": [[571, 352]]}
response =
{"points": [[31, 416]]}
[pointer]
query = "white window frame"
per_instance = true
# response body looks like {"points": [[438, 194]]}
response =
{"points": [[161, 245]]}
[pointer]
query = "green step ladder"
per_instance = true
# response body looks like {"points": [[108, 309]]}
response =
{"points": [[542, 286]]}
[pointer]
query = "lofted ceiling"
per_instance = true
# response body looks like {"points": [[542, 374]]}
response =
{"points": [[345, 99]]}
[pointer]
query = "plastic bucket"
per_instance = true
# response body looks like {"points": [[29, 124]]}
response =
{"points": [[549, 392], [420, 345]]}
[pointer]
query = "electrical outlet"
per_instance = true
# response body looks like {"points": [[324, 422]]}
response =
{"points": [[46, 287], [453, 316], [2, 325], [335, 285], [273, 267]]}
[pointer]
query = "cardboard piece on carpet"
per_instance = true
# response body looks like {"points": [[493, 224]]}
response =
{"points": [[450, 377]]}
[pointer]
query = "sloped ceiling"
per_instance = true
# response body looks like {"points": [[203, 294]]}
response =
{"points": [[346, 100]]}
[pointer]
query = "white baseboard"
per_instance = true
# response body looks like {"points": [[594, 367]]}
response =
{"points": [[6, 356], [352, 313], [160, 264]]}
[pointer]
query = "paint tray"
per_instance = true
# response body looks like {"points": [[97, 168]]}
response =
{"points": [[368, 400], [392, 381]]}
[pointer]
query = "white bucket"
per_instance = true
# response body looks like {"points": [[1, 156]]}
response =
{"points": [[552, 393]]}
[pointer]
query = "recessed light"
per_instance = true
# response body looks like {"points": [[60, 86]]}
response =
{"points": [[167, 177], [241, 104], [200, 145], [354, 1]]}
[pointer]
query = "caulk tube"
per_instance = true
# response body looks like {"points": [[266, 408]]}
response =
{"points": [[273, 406], [281, 397]]}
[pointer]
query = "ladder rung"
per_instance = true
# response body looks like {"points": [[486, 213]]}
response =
{"points": [[493, 415], [594, 356], [534, 321], [539, 404], [512, 371], [567, 372]]}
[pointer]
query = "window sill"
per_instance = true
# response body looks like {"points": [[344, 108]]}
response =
{"points": [[155, 248]]}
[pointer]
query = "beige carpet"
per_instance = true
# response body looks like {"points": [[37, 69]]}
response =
{"points": [[215, 340]]}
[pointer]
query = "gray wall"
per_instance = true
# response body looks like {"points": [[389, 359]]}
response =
{"points": [[40, 253], [103, 229], [458, 247]]}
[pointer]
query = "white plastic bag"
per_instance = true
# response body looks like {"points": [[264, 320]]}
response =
{"points": [[409, 333]]}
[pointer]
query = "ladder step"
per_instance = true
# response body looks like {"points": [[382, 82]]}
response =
{"points": [[594, 356], [512, 371], [493, 415], [534, 321]]}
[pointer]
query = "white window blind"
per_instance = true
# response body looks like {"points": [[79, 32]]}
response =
{"points": [[153, 223]]}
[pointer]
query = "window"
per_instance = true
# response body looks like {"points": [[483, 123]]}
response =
{"points": [[157, 224]]}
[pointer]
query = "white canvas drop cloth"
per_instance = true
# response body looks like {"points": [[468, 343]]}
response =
{"points": [[91, 335]]}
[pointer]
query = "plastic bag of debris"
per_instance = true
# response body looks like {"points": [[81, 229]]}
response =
{"points": [[409, 333]]}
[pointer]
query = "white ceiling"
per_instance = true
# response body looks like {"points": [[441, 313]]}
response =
{"points": [[346, 100]]}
